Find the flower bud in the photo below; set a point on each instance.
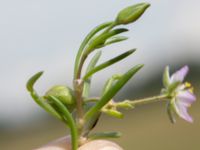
(63, 93)
(131, 13)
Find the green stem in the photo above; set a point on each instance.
(83, 58)
(70, 121)
(148, 100)
(78, 86)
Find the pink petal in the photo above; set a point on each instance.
(182, 112)
(179, 75)
(186, 97)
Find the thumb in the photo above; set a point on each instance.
(64, 144)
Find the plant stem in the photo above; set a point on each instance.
(78, 82)
(78, 86)
(148, 100)
(83, 58)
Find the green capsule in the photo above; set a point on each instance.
(63, 93)
(131, 13)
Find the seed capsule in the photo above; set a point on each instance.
(64, 94)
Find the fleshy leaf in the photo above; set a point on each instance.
(32, 81)
(39, 100)
(101, 39)
(103, 135)
(108, 63)
(113, 113)
(85, 42)
(110, 82)
(91, 65)
(112, 91)
(115, 40)
(69, 119)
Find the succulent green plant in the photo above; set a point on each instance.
(77, 109)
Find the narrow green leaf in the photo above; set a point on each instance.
(94, 61)
(32, 81)
(108, 63)
(85, 42)
(112, 92)
(39, 100)
(91, 65)
(101, 39)
(70, 121)
(103, 135)
(110, 82)
(46, 106)
(90, 124)
(115, 40)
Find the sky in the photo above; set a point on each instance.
(45, 35)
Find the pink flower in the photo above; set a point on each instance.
(181, 94)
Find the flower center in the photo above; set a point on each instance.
(189, 87)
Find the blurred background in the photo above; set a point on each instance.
(45, 35)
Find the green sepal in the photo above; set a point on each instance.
(171, 88)
(91, 65)
(104, 135)
(170, 112)
(108, 63)
(112, 91)
(124, 104)
(32, 80)
(166, 77)
(131, 14)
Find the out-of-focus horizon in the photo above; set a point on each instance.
(45, 35)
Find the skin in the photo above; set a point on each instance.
(64, 144)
